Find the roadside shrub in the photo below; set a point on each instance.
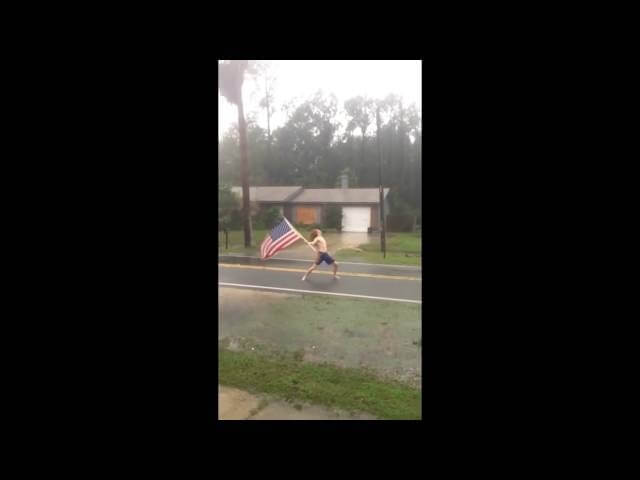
(401, 223)
(400, 207)
(228, 208)
(267, 218)
(333, 217)
(272, 216)
(236, 220)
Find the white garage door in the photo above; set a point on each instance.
(356, 219)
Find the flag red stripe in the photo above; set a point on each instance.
(264, 252)
(286, 244)
(265, 245)
(282, 242)
(289, 243)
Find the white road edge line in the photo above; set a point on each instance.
(318, 293)
(347, 263)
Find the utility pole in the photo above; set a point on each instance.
(383, 245)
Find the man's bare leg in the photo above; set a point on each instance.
(311, 269)
(335, 269)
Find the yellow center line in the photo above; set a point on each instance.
(340, 273)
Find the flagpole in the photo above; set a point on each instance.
(292, 228)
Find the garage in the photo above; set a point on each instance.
(356, 219)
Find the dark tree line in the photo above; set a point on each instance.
(308, 150)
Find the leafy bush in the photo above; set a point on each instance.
(400, 207)
(267, 218)
(229, 208)
(333, 217)
(235, 220)
(401, 223)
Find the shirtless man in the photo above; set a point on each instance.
(323, 254)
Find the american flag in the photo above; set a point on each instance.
(277, 239)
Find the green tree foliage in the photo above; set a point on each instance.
(307, 151)
(229, 156)
(304, 144)
(333, 217)
(362, 111)
(267, 218)
(228, 208)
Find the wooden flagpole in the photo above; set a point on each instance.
(292, 228)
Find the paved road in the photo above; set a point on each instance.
(400, 270)
(380, 281)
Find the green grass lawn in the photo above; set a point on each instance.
(346, 388)
(401, 249)
(391, 258)
(405, 242)
(236, 242)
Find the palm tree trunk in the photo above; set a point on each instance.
(244, 173)
(401, 135)
(381, 190)
(266, 92)
(362, 165)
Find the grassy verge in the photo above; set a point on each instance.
(397, 243)
(345, 388)
(236, 241)
(401, 249)
(392, 258)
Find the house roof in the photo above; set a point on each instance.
(268, 194)
(312, 195)
(339, 195)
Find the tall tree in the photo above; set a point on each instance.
(305, 143)
(265, 81)
(229, 155)
(414, 128)
(267, 104)
(362, 111)
(307, 152)
(401, 136)
(231, 76)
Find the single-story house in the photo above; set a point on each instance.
(360, 206)
(270, 196)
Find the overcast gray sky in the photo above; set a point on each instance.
(300, 79)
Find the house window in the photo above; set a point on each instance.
(307, 215)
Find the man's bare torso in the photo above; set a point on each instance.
(320, 243)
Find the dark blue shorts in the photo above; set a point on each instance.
(324, 257)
